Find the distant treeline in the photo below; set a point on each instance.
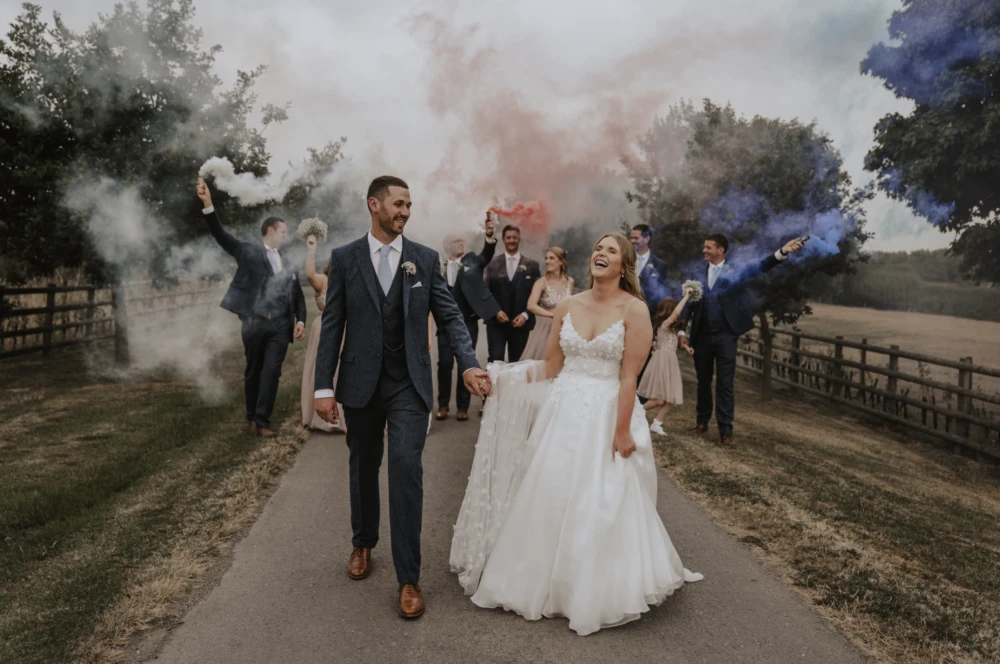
(923, 281)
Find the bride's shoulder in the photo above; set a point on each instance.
(636, 313)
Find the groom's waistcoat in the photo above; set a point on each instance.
(714, 315)
(393, 329)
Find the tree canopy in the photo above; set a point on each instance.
(943, 158)
(760, 181)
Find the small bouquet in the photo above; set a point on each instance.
(696, 289)
(312, 226)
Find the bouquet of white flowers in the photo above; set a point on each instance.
(312, 226)
(696, 290)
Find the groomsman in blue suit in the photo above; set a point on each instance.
(718, 320)
(652, 270)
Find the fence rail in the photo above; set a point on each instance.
(90, 313)
(965, 413)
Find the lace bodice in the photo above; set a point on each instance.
(601, 357)
(666, 339)
(321, 301)
(550, 298)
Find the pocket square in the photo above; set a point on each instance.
(416, 285)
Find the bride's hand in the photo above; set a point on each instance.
(623, 445)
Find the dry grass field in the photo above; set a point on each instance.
(894, 540)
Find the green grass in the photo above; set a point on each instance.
(98, 478)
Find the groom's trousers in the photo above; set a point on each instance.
(397, 404)
(265, 343)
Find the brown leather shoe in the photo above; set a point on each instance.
(728, 441)
(700, 430)
(266, 433)
(442, 414)
(411, 601)
(360, 564)
(462, 415)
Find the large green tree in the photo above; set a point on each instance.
(943, 158)
(760, 181)
(133, 100)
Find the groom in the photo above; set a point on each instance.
(380, 291)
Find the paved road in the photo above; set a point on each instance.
(287, 599)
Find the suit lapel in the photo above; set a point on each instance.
(406, 282)
(367, 270)
(267, 261)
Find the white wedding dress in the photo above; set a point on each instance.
(552, 524)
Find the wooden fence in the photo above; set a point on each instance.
(40, 319)
(956, 401)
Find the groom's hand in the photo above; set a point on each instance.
(326, 408)
(300, 331)
(477, 382)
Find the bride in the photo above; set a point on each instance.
(559, 517)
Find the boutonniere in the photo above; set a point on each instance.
(522, 268)
(409, 268)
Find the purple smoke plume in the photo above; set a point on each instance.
(922, 202)
(939, 40)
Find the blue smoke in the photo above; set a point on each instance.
(922, 202)
(938, 41)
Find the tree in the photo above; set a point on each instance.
(761, 182)
(943, 158)
(132, 100)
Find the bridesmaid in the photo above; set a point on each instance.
(309, 417)
(545, 295)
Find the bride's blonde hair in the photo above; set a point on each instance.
(629, 281)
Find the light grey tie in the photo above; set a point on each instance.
(384, 271)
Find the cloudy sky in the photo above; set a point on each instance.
(463, 97)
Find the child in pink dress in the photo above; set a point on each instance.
(661, 381)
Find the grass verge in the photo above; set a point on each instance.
(116, 495)
(895, 541)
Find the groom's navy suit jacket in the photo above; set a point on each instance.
(353, 314)
(735, 301)
(254, 284)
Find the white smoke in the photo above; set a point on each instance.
(247, 188)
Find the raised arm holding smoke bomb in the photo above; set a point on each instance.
(718, 319)
(266, 295)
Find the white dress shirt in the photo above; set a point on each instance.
(274, 258)
(512, 262)
(452, 271)
(375, 248)
(640, 262)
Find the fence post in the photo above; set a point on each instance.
(88, 331)
(794, 359)
(964, 402)
(838, 356)
(765, 357)
(861, 373)
(3, 293)
(891, 383)
(121, 324)
(50, 304)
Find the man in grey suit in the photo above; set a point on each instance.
(380, 292)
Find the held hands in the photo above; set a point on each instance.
(326, 408)
(300, 331)
(476, 382)
(204, 195)
(793, 246)
(623, 445)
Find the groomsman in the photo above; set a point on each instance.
(266, 295)
(652, 270)
(464, 274)
(718, 319)
(509, 278)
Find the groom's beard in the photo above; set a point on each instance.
(391, 226)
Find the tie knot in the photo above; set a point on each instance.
(386, 248)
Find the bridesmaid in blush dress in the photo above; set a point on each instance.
(545, 295)
(309, 417)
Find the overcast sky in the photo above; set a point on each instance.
(453, 95)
